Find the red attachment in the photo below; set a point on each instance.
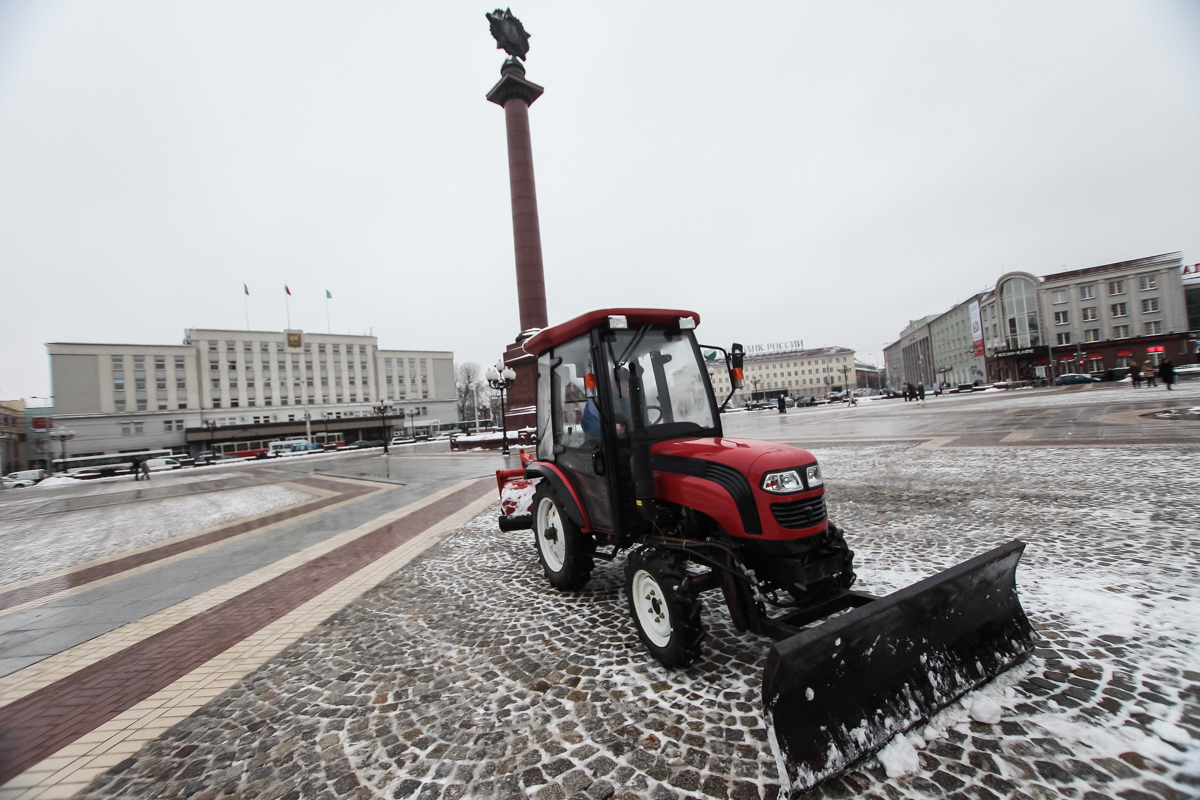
(503, 476)
(552, 337)
(739, 379)
(525, 458)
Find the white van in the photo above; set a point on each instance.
(23, 479)
(161, 464)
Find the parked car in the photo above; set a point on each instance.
(1074, 377)
(399, 440)
(162, 464)
(361, 443)
(23, 479)
(806, 400)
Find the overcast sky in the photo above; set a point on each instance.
(816, 171)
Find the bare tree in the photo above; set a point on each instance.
(467, 379)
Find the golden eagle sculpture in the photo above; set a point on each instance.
(509, 33)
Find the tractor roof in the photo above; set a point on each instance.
(552, 337)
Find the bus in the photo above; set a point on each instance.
(106, 465)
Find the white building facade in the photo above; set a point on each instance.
(237, 387)
(788, 373)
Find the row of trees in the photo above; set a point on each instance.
(476, 399)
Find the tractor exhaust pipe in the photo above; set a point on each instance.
(837, 692)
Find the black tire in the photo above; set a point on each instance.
(564, 551)
(838, 540)
(667, 618)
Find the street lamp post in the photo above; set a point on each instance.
(502, 380)
(383, 411)
(211, 424)
(412, 415)
(63, 436)
(308, 426)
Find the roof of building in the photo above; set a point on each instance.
(779, 355)
(1164, 260)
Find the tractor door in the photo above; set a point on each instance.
(575, 428)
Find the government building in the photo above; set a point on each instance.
(792, 372)
(229, 391)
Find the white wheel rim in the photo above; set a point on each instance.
(554, 551)
(650, 604)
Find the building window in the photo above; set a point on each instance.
(138, 429)
(1088, 314)
(118, 371)
(1116, 287)
(1064, 338)
(1119, 310)
(139, 373)
(1120, 331)
(1019, 300)
(126, 429)
(1087, 292)
(1095, 364)
(1147, 282)
(1153, 328)
(1062, 317)
(1058, 296)
(1150, 305)
(1091, 335)
(167, 425)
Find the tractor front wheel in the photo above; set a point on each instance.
(564, 550)
(666, 615)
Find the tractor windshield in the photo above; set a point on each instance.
(676, 398)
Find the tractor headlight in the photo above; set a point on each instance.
(782, 482)
(814, 477)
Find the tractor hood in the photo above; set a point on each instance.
(750, 457)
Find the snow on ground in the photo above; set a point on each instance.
(51, 542)
(1111, 536)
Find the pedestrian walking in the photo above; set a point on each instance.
(1166, 371)
(146, 469)
(137, 469)
(1135, 375)
(1148, 374)
(921, 392)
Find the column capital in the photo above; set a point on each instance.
(513, 84)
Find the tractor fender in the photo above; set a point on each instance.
(700, 494)
(562, 485)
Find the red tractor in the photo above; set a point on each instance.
(630, 456)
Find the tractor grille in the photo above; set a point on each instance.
(803, 514)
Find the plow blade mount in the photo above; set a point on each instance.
(839, 691)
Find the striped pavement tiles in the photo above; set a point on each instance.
(78, 713)
(329, 494)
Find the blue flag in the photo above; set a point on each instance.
(328, 296)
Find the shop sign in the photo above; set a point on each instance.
(1124, 353)
(1025, 351)
(1191, 274)
(976, 329)
(775, 347)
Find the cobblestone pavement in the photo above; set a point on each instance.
(466, 675)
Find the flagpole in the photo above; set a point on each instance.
(328, 329)
(246, 303)
(287, 303)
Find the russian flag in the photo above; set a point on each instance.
(286, 289)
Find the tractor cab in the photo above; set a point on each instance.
(608, 381)
(631, 461)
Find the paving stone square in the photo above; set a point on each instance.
(466, 675)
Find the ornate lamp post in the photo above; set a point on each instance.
(412, 416)
(211, 424)
(383, 411)
(502, 380)
(63, 435)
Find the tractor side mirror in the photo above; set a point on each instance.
(737, 357)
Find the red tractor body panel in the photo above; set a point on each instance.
(552, 337)
(682, 475)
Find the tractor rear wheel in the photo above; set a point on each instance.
(667, 616)
(564, 550)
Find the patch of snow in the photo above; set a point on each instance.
(1171, 733)
(899, 757)
(57, 480)
(985, 709)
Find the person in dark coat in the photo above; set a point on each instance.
(921, 392)
(137, 469)
(1135, 375)
(1166, 372)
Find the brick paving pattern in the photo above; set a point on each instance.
(466, 675)
(41, 723)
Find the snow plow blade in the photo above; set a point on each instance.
(837, 692)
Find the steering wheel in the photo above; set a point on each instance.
(660, 415)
